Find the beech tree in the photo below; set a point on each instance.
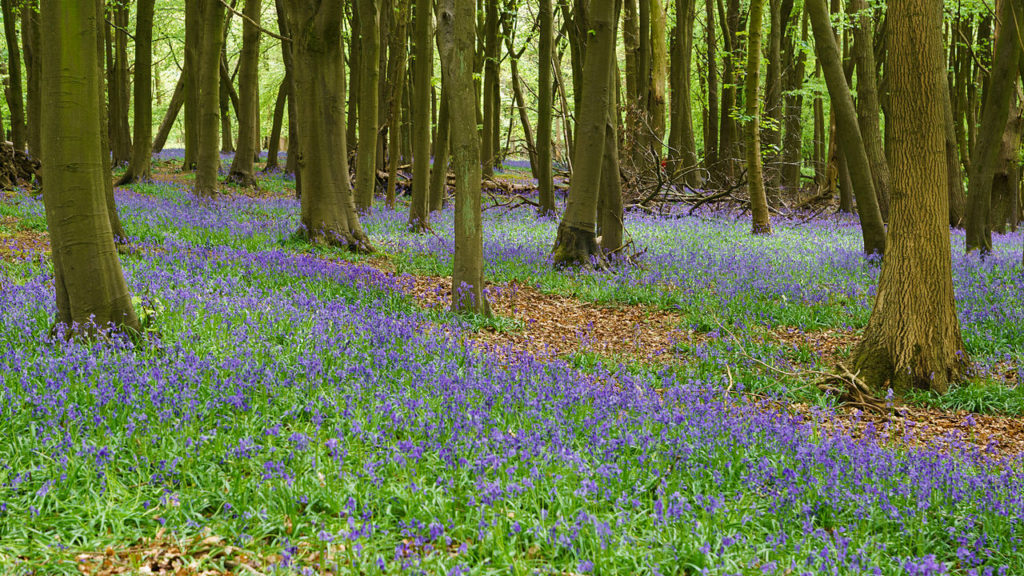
(457, 36)
(318, 85)
(755, 177)
(14, 92)
(243, 170)
(419, 208)
(913, 339)
(142, 153)
(89, 282)
(369, 43)
(208, 76)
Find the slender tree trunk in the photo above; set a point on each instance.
(224, 98)
(847, 128)
(90, 286)
(868, 110)
(755, 179)
(773, 99)
(1006, 178)
(173, 108)
(243, 170)
(274, 144)
(954, 176)
(576, 242)
(117, 84)
(142, 152)
(366, 171)
(396, 71)
(208, 157)
(659, 73)
(545, 180)
(490, 40)
(711, 65)
(318, 86)
(792, 146)
(423, 71)
(517, 90)
(32, 48)
(993, 124)
(610, 205)
(682, 116)
(457, 31)
(727, 148)
(439, 171)
(913, 337)
(190, 72)
(355, 70)
(15, 92)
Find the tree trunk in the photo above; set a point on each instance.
(727, 148)
(491, 112)
(847, 128)
(792, 145)
(545, 180)
(318, 86)
(985, 157)
(142, 152)
(423, 71)
(32, 49)
(190, 72)
(457, 34)
(173, 108)
(274, 144)
(755, 179)
(913, 337)
(576, 242)
(117, 84)
(685, 154)
(773, 98)
(610, 205)
(524, 118)
(954, 175)
(439, 171)
(90, 286)
(224, 98)
(659, 73)
(15, 92)
(208, 157)
(355, 70)
(868, 111)
(1006, 180)
(396, 85)
(369, 43)
(243, 170)
(711, 73)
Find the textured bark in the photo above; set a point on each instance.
(366, 171)
(545, 180)
(610, 206)
(792, 145)
(954, 175)
(913, 337)
(423, 71)
(208, 72)
(685, 152)
(243, 170)
(634, 109)
(318, 87)
(15, 91)
(577, 242)
(90, 286)
(773, 99)
(457, 34)
(659, 74)
(439, 170)
(868, 110)
(142, 153)
(224, 98)
(755, 179)
(1006, 179)
(985, 157)
(274, 143)
(397, 52)
(31, 50)
(847, 128)
(727, 148)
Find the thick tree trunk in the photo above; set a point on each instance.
(15, 92)
(576, 243)
(755, 179)
(457, 33)
(318, 86)
(366, 160)
(208, 157)
(985, 157)
(243, 170)
(913, 337)
(545, 180)
(1006, 179)
(868, 111)
(847, 128)
(90, 286)
(142, 153)
(423, 71)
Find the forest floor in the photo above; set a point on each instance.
(708, 319)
